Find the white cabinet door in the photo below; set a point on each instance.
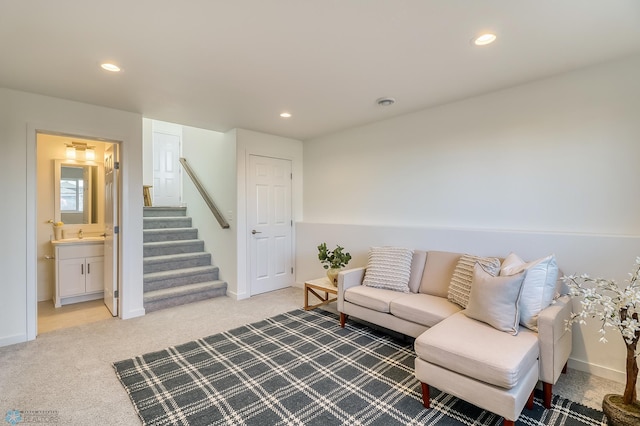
(94, 274)
(71, 277)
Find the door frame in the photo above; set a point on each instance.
(31, 218)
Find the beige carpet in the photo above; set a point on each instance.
(69, 370)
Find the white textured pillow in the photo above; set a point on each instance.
(460, 285)
(494, 300)
(389, 268)
(539, 285)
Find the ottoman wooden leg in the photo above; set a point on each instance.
(546, 390)
(425, 395)
(530, 402)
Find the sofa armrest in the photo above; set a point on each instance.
(346, 279)
(555, 339)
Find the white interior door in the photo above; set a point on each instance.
(270, 224)
(166, 170)
(111, 173)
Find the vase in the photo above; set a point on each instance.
(57, 232)
(618, 413)
(332, 274)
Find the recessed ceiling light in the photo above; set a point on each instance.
(484, 39)
(385, 101)
(285, 115)
(110, 67)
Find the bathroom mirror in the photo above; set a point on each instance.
(78, 192)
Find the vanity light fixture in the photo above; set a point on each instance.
(484, 39)
(74, 147)
(70, 152)
(285, 115)
(110, 67)
(90, 154)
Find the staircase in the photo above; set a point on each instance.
(177, 270)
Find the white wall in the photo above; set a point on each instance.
(213, 159)
(254, 143)
(558, 155)
(21, 114)
(147, 152)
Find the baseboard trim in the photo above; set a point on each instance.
(12, 340)
(598, 370)
(133, 313)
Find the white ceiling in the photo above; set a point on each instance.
(239, 63)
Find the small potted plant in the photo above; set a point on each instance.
(333, 261)
(614, 307)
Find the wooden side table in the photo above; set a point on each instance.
(316, 287)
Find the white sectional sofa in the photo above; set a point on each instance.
(459, 351)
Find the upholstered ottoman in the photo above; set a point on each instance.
(475, 362)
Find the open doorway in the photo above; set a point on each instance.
(77, 230)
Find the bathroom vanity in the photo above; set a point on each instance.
(79, 270)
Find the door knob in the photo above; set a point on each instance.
(254, 232)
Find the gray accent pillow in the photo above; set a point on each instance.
(389, 268)
(494, 300)
(460, 285)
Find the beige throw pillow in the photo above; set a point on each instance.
(539, 287)
(460, 285)
(494, 300)
(389, 268)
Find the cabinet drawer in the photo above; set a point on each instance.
(80, 250)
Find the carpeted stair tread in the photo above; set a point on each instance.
(166, 230)
(167, 293)
(159, 248)
(166, 222)
(176, 261)
(170, 243)
(176, 296)
(169, 234)
(170, 257)
(180, 272)
(164, 211)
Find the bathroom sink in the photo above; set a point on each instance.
(78, 240)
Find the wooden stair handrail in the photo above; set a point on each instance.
(203, 192)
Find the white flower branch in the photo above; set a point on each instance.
(612, 305)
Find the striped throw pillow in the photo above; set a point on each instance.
(389, 268)
(460, 285)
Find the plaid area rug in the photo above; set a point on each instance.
(301, 368)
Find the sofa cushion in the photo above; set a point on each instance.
(460, 286)
(417, 269)
(437, 274)
(423, 309)
(539, 287)
(389, 268)
(479, 351)
(495, 300)
(376, 299)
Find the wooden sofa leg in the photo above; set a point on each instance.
(425, 395)
(508, 422)
(343, 319)
(546, 390)
(530, 401)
